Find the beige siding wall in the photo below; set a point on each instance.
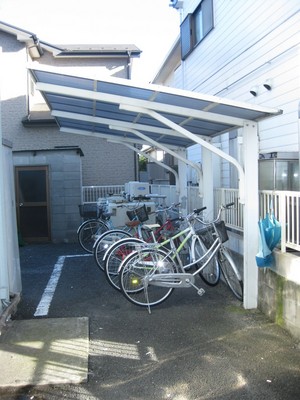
(103, 163)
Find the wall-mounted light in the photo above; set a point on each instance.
(254, 90)
(268, 84)
(176, 4)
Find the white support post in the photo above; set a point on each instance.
(251, 214)
(182, 172)
(208, 183)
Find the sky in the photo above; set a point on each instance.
(151, 25)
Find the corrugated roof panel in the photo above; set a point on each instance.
(98, 107)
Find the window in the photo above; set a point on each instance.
(195, 27)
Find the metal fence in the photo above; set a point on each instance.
(90, 194)
(286, 206)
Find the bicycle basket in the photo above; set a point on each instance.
(89, 210)
(138, 213)
(207, 237)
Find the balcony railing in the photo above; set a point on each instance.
(286, 206)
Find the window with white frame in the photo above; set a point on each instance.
(195, 27)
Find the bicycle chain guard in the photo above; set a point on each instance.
(177, 280)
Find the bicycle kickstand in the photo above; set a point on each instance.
(200, 291)
(147, 297)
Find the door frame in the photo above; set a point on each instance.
(46, 203)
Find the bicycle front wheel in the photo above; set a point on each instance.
(231, 273)
(115, 255)
(89, 231)
(136, 273)
(104, 242)
(210, 274)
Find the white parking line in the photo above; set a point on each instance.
(45, 302)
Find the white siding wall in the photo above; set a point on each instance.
(252, 41)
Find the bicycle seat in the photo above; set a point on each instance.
(106, 216)
(132, 224)
(150, 227)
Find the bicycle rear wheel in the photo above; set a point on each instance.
(135, 277)
(115, 255)
(89, 231)
(104, 242)
(210, 274)
(231, 273)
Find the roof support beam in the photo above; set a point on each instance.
(167, 150)
(196, 139)
(107, 121)
(109, 137)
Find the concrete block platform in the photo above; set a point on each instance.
(44, 351)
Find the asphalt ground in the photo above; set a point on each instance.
(189, 348)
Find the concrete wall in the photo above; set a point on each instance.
(64, 186)
(279, 292)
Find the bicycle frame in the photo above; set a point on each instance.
(181, 279)
(151, 266)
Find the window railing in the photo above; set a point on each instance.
(285, 204)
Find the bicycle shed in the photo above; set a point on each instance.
(171, 119)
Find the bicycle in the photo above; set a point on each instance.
(178, 244)
(90, 230)
(141, 232)
(148, 276)
(118, 251)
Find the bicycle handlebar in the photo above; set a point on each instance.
(199, 210)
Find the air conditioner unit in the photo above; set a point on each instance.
(137, 189)
(176, 4)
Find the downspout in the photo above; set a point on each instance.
(128, 65)
(4, 278)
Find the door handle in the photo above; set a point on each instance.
(21, 204)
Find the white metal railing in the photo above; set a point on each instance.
(285, 204)
(90, 194)
(234, 216)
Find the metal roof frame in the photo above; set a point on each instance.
(118, 109)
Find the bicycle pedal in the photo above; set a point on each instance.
(201, 292)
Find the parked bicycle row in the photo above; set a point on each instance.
(146, 262)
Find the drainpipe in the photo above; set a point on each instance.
(129, 65)
(4, 279)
